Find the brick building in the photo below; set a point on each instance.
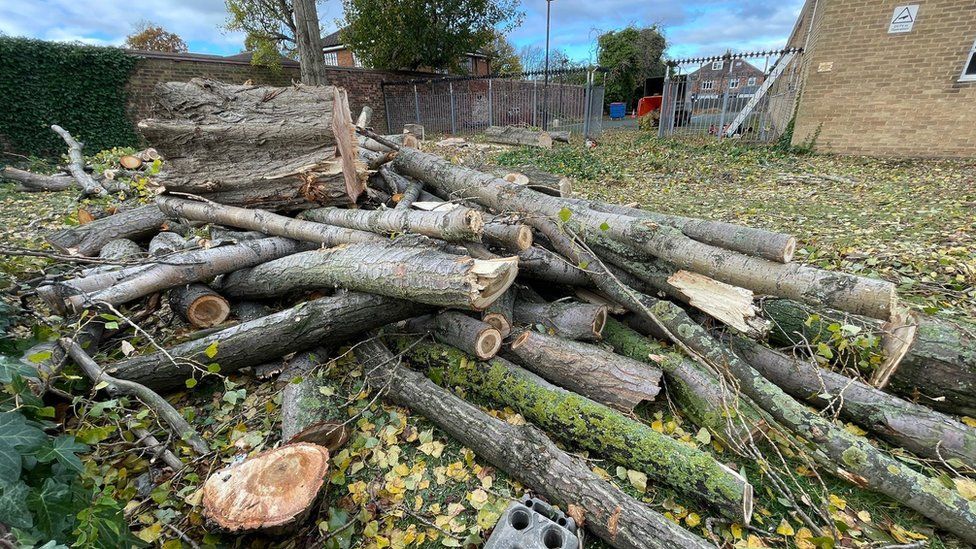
(738, 75)
(887, 77)
(338, 54)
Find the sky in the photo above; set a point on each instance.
(693, 28)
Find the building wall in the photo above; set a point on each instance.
(869, 92)
(742, 70)
(363, 86)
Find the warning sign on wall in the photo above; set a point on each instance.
(903, 19)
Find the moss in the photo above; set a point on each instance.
(854, 457)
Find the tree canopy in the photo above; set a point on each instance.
(391, 34)
(504, 60)
(149, 37)
(631, 55)
(280, 27)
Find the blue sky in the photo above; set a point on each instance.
(700, 27)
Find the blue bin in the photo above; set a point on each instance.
(618, 110)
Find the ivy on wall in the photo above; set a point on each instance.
(81, 88)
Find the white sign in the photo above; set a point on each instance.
(903, 19)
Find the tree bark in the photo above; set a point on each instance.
(35, 182)
(538, 262)
(326, 321)
(402, 139)
(501, 313)
(514, 135)
(847, 292)
(536, 179)
(418, 273)
(562, 136)
(88, 239)
(304, 414)
(409, 196)
(120, 249)
(613, 380)
(477, 338)
(903, 424)
(934, 361)
(199, 305)
(580, 421)
(186, 268)
(308, 39)
(166, 243)
(528, 455)
(581, 321)
(456, 224)
(76, 164)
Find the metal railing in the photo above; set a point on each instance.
(743, 96)
(462, 105)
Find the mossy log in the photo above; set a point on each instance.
(913, 427)
(457, 224)
(931, 361)
(616, 381)
(580, 421)
(199, 305)
(526, 454)
(701, 395)
(582, 321)
(839, 290)
(416, 272)
(479, 339)
(88, 239)
(325, 321)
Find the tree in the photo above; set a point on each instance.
(631, 55)
(532, 58)
(281, 27)
(501, 53)
(149, 37)
(389, 34)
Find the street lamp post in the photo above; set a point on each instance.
(545, 86)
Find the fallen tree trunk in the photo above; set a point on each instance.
(88, 239)
(186, 268)
(910, 426)
(35, 182)
(418, 273)
(514, 135)
(199, 305)
(457, 224)
(580, 421)
(76, 164)
(562, 136)
(613, 380)
(847, 292)
(582, 321)
(929, 360)
(477, 338)
(263, 221)
(325, 321)
(527, 454)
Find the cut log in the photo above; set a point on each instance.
(76, 164)
(149, 154)
(932, 362)
(88, 239)
(580, 421)
(535, 178)
(304, 413)
(903, 424)
(416, 130)
(540, 263)
(130, 162)
(581, 321)
(120, 249)
(324, 321)
(528, 455)
(607, 378)
(185, 268)
(35, 182)
(514, 135)
(501, 313)
(839, 290)
(402, 139)
(507, 232)
(561, 136)
(701, 395)
(418, 273)
(280, 148)
(365, 115)
(409, 196)
(457, 224)
(263, 221)
(478, 339)
(272, 490)
(374, 160)
(199, 305)
(166, 243)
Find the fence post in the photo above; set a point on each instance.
(535, 103)
(665, 97)
(416, 104)
(491, 106)
(450, 88)
(588, 98)
(725, 99)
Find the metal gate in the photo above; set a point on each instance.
(572, 101)
(737, 95)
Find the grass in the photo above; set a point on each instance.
(402, 482)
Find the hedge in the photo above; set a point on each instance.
(81, 88)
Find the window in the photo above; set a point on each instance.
(969, 71)
(717, 65)
(733, 83)
(708, 84)
(752, 81)
(355, 60)
(332, 59)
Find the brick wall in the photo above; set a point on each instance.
(362, 85)
(888, 94)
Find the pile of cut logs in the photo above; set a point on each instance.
(282, 228)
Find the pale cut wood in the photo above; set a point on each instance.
(365, 115)
(457, 224)
(724, 302)
(130, 162)
(199, 305)
(275, 488)
(514, 135)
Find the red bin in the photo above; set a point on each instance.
(648, 104)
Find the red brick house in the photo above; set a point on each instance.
(338, 54)
(712, 79)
